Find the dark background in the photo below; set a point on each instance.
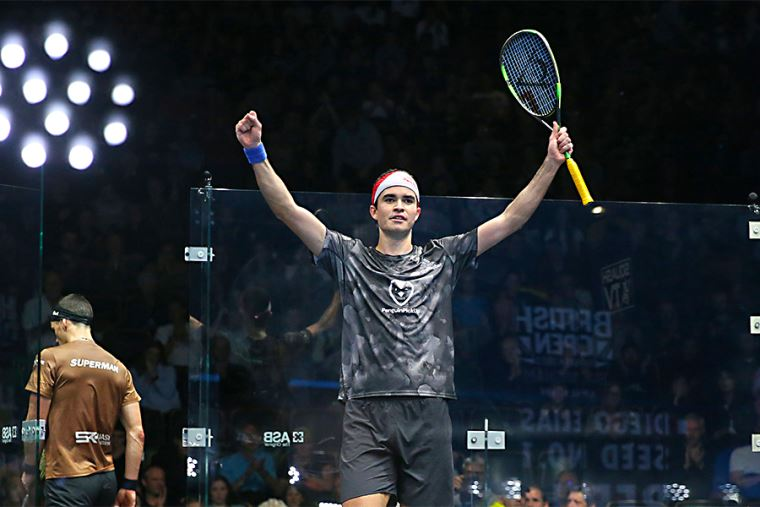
(658, 96)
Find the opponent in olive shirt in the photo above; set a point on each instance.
(88, 387)
(397, 337)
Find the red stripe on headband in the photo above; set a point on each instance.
(378, 183)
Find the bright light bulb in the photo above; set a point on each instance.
(79, 92)
(115, 133)
(35, 90)
(57, 122)
(5, 126)
(12, 55)
(122, 94)
(56, 45)
(80, 157)
(99, 60)
(33, 154)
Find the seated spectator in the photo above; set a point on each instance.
(172, 459)
(234, 380)
(157, 384)
(630, 371)
(219, 493)
(580, 496)
(321, 485)
(473, 471)
(693, 462)
(533, 496)
(174, 335)
(745, 472)
(727, 409)
(294, 497)
(251, 471)
(609, 418)
(681, 400)
(272, 502)
(566, 482)
(154, 491)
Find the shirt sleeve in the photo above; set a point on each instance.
(130, 393)
(462, 250)
(736, 461)
(46, 375)
(334, 251)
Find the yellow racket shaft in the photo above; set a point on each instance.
(580, 184)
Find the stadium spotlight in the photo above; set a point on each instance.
(33, 151)
(12, 54)
(56, 42)
(115, 132)
(5, 124)
(79, 92)
(35, 87)
(57, 120)
(123, 94)
(81, 153)
(49, 115)
(99, 57)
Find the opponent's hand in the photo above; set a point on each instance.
(297, 337)
(559, 143)
(248, 130)
(125, 498)
(27, 480)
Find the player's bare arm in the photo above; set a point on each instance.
(299, 220)
(524, 205)
(132, 422)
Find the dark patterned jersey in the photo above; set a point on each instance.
(397, 337)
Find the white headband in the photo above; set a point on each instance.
(395, 179)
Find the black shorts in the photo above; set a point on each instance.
(400, 446)
(91, 490)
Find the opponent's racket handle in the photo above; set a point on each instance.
(580, 185)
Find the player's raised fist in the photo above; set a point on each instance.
(248, 130)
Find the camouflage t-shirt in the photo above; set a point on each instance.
(397, 337)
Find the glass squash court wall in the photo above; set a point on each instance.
(603, 346)
(23, 328)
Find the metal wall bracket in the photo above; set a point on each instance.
(199, 254)
(754, 230)
(196, 437)
(754, 324)
(476, 440)
(486, 440)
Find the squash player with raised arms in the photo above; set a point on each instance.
(397, 371)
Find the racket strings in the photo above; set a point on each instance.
(531, 72)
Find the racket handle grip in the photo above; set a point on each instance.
(580, 184)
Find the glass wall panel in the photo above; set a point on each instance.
(23, 326)
(613, 350)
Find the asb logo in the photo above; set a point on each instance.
(401, 291)
(282, 438)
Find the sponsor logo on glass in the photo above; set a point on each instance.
(10, 433)
(282, 438)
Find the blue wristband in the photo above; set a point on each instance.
(129, 484)
(256, 154)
